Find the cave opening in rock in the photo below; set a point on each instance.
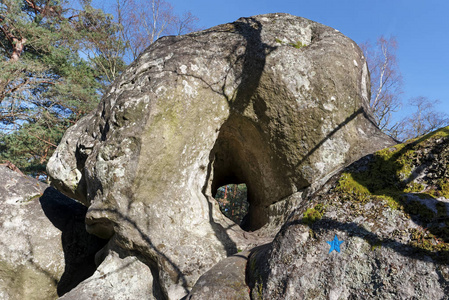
(240, 155)
(233, 201)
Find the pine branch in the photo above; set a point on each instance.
(42, 140)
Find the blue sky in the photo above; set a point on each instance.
(421, 28)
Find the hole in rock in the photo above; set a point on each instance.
(243, 153)
(233, 201)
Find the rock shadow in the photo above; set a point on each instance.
(78, 245)
(154, 258)
(252, 62)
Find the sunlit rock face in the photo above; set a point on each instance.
(390, 212)
(275, 101)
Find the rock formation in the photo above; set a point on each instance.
(119, 276)
(275, 101)
(44, 248)
(391, 211)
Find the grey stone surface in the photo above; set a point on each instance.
(276, 101)
(226, 280)
(44, 247)
(118, 277)
(396, 241)
(31, 256)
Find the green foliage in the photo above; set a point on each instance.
(55, 64)
(232, 199)
(57, 61)
(31, 145)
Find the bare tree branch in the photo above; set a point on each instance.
(386, 80)
(145, 21)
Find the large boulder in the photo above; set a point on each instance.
(390, 210)
(44, 248)
(275, 101)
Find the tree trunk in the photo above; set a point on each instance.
(18, 48)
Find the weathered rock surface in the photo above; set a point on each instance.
(31, 256)
(226, 280)
(118, 277)
(79, 247)
(391, 211)
(276, 101)
(44, 248)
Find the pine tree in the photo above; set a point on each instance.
(55, 63)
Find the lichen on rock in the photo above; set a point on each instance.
(229, 104)
(395, 240)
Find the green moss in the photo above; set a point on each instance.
(376, 245)
(429, 244)
(312, 234)
(414, 187)
(279, 41)
(352, 188)
(393, 200)
(441, 230)
(297, 45)
(33, 198)
(444, 186)
(395, 165)
(259, 289)
(387, 176)
(442, 189)
(313, 214)
(441, 210)
(440, 133)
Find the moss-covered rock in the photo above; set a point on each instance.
(411, 177)
(390, 210)
(313, 214)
